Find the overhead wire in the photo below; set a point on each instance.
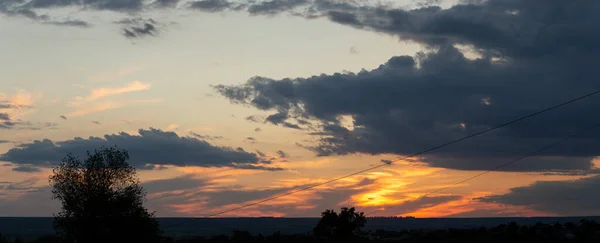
(533, 153)
(403, 158)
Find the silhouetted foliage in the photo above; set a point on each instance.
(345, 225)
(102, 200)
(583, 232)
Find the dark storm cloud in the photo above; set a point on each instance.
(571, 197)
(165, 3)
(151, 146)
(531, 55)
(211, 5)
(44, 18)
(114, 5)
(253, 7)
(275, 6)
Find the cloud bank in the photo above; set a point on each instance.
(573, 197)
(149, 147)
(529, 55)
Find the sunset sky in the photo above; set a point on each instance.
(221, 103)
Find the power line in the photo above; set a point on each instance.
(548, 146)
(405, 157)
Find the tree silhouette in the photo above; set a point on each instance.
(346, 224)
(102, 200)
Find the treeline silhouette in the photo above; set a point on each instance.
(584, 231)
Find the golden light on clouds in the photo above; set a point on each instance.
(99, 93)
(19, 104)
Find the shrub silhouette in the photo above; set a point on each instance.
(102, 200)
(346, 224)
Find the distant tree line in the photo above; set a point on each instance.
(582, 232)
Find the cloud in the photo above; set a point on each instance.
(386, 161)
(99, 93)
(206, 137)
(412, 103)
(33, 203)
(567, 198)
(257, 129)
(114, 5)
(141, 30)
(4, 141)
(254, 118)
(174, 184)
(275, 6)
(26, 169)
(26, 125)
(421, 203)
(18, 101)
(165, 3)
(103, 106)
(30, 14)
(93, 103)
(25, 185)
(15, 107)
(211, 5)
(282, 154)
(96, 122)
(7, 123)
(71, 22)
(63, 117)
(140, 27)
(152, 146)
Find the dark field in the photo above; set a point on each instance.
(29, 228)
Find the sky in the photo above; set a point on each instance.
(221, 103)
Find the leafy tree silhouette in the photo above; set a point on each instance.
(102, 200)
(347, 224)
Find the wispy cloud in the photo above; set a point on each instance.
(14, 107)
(108, 105)
(91, 104)
(111, 91)
(96, 108)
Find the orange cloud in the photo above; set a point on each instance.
(96, 94)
